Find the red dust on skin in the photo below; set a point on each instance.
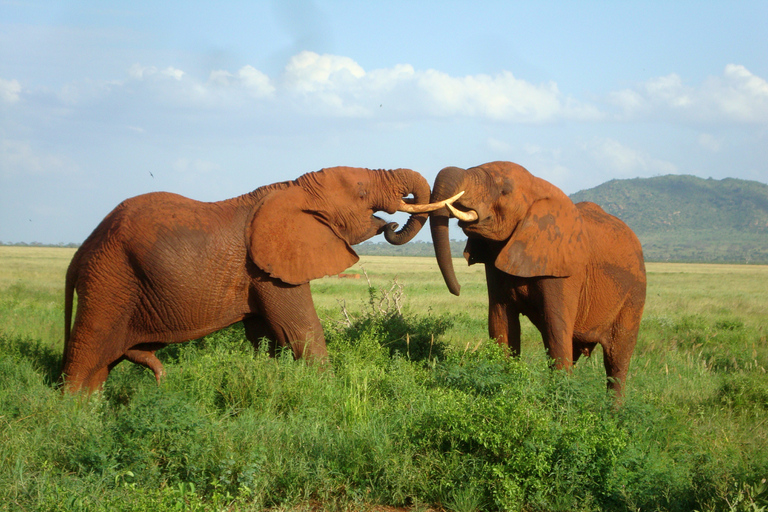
(162, 268)
(577, 272)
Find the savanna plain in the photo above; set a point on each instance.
(418, 410)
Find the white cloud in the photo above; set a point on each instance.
(137, 71)
(256, 83)
(309, 72)
(328, 85)
(739, 94)
(501, 97)
(341, 86)
(735, 96)
(174, 73)
(140, 72)
(337, 86)
(9, 90)
(620, 160)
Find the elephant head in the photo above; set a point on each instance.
(523, 225)
(305, 229)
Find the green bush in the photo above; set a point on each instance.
(397, 418)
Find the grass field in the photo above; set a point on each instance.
(419, 410)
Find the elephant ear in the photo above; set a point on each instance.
(293, 244)
(549, 241)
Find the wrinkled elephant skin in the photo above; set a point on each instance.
(574, 270)
(161, 268)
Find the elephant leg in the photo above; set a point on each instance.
(617, 351)
(503, 318)
(99, 336)
(504, 326)
(88, 359)
(556, 322)
(82, 376)
(256, 330)
(146, 358)
(289, 313)
(560, 350)
(96, 380)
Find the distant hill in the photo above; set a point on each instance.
(685, 218)
(676, 217)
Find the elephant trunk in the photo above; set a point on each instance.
(448, 183)
(412, 183)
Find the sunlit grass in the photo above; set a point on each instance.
(417, 409)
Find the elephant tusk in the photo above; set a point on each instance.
(469, 216)
(431, 207)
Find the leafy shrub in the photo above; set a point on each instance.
(415, 337)
(396, 419)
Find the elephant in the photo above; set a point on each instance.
(162, 268)
(574, 270)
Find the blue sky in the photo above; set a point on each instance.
(100, 101)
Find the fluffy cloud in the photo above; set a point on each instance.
(250, 79)
(623, 161)
(739, 94)
(735, 96)
(309, 72)
(337, 86)
(340, 84)
(140, 72)
(502, 97)
(9, 90)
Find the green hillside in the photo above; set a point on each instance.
(685, 218)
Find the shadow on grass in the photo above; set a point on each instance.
(44, 359)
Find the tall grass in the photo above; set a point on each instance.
(417, 410)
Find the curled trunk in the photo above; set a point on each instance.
(413, 183)
(447, 184)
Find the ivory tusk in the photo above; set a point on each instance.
(469, 216)
(424, 208)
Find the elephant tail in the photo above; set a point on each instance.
(69, 293)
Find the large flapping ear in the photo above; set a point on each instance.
(293, 244)
(548, 241)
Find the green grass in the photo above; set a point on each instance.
(418, 409)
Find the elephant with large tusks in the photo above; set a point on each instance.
(162, 268)
(574, 270)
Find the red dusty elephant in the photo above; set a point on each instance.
(574, 270)
(161, 268)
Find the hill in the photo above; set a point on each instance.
(685, 218)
